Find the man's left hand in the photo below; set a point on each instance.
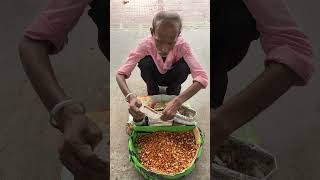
(171, 109)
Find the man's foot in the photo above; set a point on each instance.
(129, 128)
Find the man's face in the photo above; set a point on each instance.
(165, 35)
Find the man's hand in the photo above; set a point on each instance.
(81, 135)
(171, 109)
(134, 104)
(218, 131)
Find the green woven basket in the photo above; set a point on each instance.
(133, 151)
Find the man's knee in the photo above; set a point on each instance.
(146, 63)
(182, 67)
(220, 83)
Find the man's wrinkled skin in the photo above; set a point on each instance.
(171, 109)
(134, 104)
(270, 85)
(80, 134)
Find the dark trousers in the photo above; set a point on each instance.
(172, 79)
(98, 12)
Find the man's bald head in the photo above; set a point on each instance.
(167, 17)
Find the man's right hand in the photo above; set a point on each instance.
(134, 105)
(218, 131)
(81, 135)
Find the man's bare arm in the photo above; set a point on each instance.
(34, 57)
(193, 89)
(261, 93)
(121, 80)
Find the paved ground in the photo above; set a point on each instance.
(140, 12)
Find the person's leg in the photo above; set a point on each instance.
(219, 88)
(174, 78)
(150, 74)
(98, 13)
